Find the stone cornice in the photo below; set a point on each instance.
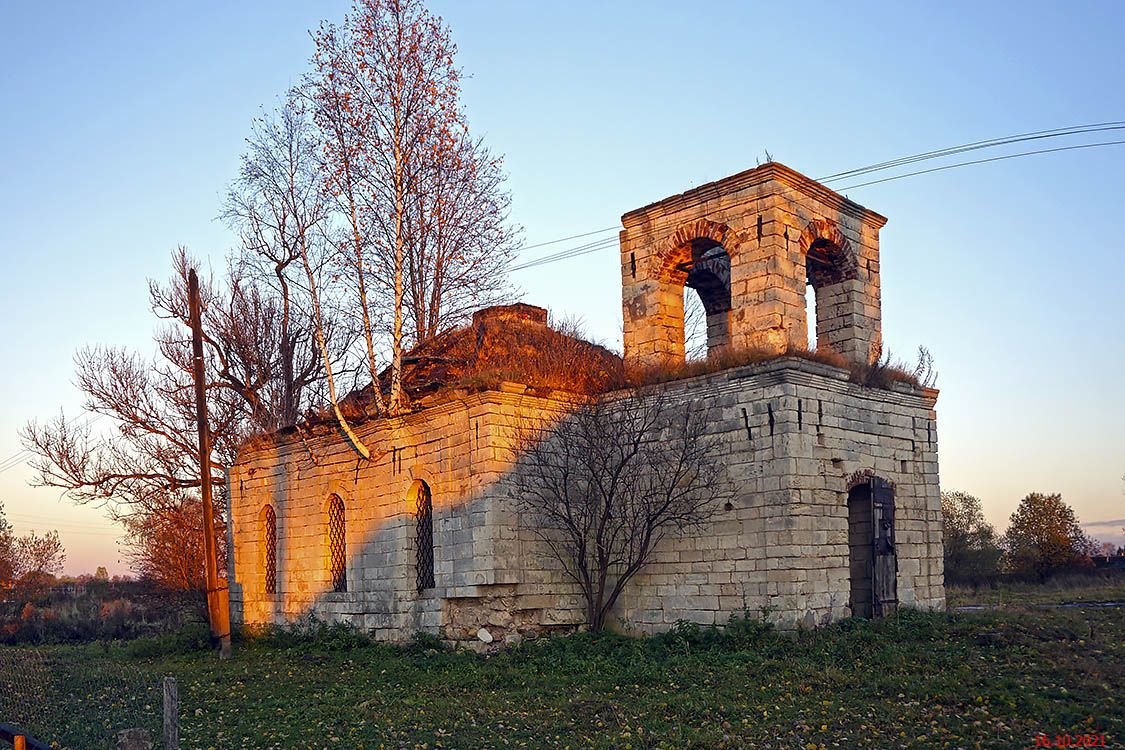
(799, 371)
(326, 432)
(771, 171)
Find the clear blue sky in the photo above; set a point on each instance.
(122, 123)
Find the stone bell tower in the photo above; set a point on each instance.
(750, 245)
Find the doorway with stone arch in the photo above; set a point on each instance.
(872, 558)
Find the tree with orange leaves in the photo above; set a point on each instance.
(1044, 537)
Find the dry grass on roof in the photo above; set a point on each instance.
(545, 358)
(882, 374)
(488, 353)
(495, 350)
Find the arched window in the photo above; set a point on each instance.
(423, 535)
(821, 274)
(829, 261)
(337, 544)
(706, 299)
(269, 549)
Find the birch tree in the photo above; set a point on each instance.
(343, 134)
(460, 240)
(424, 202)
(277, 208)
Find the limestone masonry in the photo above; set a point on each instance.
(837, 510)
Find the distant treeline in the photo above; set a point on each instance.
(92, 609)
(1043, 539)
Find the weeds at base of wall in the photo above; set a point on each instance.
(752, 637)
(306, 633)
(745, 633)
(313, 634)
(741, 632)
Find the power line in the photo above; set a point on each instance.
(22, 456)
(62, 525)
(988, 143)
(983, 161)
(568, 253)
(605, 243)
(71, 532)
(564, 239)
(16, 457)
(15, 460)
(612, 242)
(53, 520)
(62, 529)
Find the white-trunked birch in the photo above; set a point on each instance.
(422, 204)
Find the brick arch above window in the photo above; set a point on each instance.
(865, 477)
(677, 248)
(836, 259)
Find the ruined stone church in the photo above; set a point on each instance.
(837, 510)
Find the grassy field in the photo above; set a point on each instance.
(995, 678)
(1067, 589)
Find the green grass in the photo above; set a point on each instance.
(988, 679)
(1104, 587)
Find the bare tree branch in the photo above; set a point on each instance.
(605, 484)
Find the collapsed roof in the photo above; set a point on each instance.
(502, 343)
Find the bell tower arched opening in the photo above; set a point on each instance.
(755, 292)
(833, 290)
(707, 302)
(823, 269)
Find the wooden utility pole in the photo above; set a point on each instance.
(218, 601)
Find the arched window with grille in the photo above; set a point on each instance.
(337, 545)
(423, 535)
(269, 549)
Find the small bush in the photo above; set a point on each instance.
(192, 638)
(742, 632)
(746, 631)
(686, 637)
(308, 633)
(422, 642)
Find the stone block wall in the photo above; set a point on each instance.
(782, 231)
(795, 436)
(453, 448)
(798, 435)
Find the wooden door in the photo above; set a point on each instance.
(885, 563)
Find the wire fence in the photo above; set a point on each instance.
(77, 705)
